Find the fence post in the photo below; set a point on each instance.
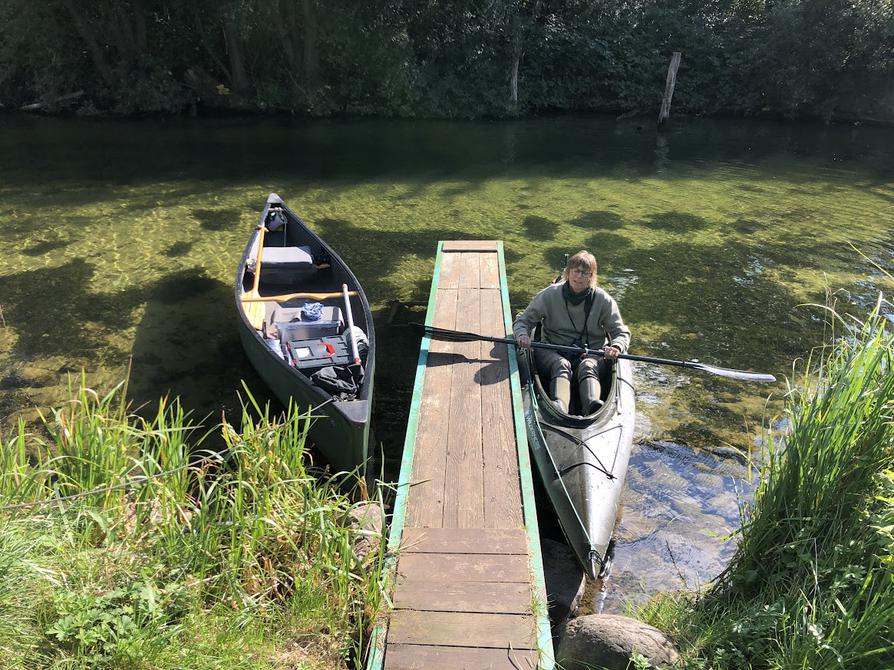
(669, 88)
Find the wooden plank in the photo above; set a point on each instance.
(470, 270)
(464, 501)
(418, 657)
(425, 503)
(490, 271)
(453, 568)
(493, 597)
(463, 541)
(502, 492)
(500, 631)
(449, 274)
(469, 245)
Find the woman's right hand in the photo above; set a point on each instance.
(523, 341)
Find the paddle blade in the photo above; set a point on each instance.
(741, 375)
(445, 335)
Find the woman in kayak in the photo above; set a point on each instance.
(574, 312)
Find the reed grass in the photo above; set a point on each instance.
(811, 584)
(124, 545)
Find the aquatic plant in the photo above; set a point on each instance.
(123, 544)
(811, 584)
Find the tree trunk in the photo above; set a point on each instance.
(238, 73)
(139, 25)
(288, 32)
(94, 49)
(311, 54)
(128, 32)
(202, 31)
(515, 30)
(513, 82)
(669, 84)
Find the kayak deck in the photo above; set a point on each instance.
(468, 588)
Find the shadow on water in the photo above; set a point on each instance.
(232, 150)
(187, 343)
(726, 330)
(598, 220)
(49, 307)
(217, 219)
(539, 228)
(706, 235)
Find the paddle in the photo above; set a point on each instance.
(292, 296)
(256, 312)
(460, 336)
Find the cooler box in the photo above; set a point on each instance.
(328, 325)
(318, 353)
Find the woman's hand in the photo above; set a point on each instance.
(523, 341)
(611, 352)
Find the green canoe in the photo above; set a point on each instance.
(293, 320)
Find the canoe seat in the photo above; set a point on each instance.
(285, 265)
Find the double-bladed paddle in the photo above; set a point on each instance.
(461, 336)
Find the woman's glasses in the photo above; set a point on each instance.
(581, 273)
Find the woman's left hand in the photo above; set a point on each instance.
(610, 352)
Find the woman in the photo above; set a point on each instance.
(574, 312)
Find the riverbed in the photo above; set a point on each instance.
(720, 239)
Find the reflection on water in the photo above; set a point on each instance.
(120, 239)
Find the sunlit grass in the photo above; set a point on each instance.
(811, 584)
(123, 545)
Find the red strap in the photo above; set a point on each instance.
(330, 349)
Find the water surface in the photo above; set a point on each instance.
(120, 242)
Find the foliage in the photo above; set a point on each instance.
(817, 58)
(812, 582)
(115, 626)
(122, 544)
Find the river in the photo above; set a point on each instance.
(120, 241)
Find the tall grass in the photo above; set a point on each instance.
(811, 584)
(123, 545)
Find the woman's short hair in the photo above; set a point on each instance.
(584, 260)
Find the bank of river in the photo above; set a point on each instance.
(120, 240)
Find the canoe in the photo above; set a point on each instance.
(582, 461)
(294, 318)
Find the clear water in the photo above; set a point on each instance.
(120, 241)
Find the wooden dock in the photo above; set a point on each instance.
(468, 588)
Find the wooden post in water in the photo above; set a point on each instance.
(669, 88)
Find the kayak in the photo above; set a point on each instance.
(582, 461)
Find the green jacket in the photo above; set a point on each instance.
(564, 322)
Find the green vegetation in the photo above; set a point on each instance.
(816, 58)
(811, 584)
(121, 548)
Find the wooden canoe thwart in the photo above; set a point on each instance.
(295, 298)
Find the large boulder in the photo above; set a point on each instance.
(564, 578)
(609, 641)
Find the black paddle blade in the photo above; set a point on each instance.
(453, 335)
